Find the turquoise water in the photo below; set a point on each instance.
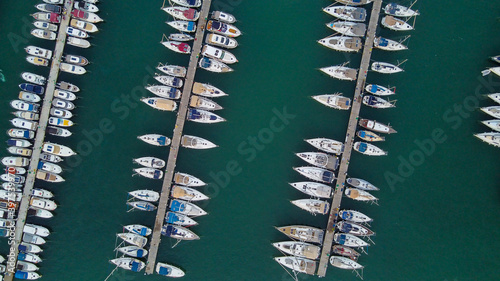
(439, 221)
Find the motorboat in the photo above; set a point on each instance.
(29, 248)
(368, 149)
(86, 6)
(133, 251)
(223, 28)
(49, 167)
(178, 232)
(48, 177)
(303, 233)
(187, 193)
(155, 139)
(60, 132)
(160, 103)
(167, 269)
(76, 60)
(348, 28)
(36, 230)
(361, 184)
(42, 193)
(327, 145)
(131, 264)
(34, 78)
(150, 173)
(19, 133)
(44, 16)
(298, 249)
(178, 47)
(342, 43)
(203, 103)
(76, 32)
(15, 161)
(492, 138)
(214, 65)
(218, 54)
(86, 16)
(397, 10)
(29, 97)
(45, 25)
(182, 13)
(133, 239)
(340, 72)
(77, 42)
(187, 180)
(493, 111)
(376, 126)
(27, 115)
(188, 3)
(65, 95)
(145, 195)
(378, 90)
(186, 208)
(43, 34)
(320, 159)
(138, 229)
(37, 61)
(83, 25)
(386, 68)
(35, 89)
(346, 252)
(355, 2)
(142, 205)
(207, 90)
(314, 206)
(173, 70)
(196, 142)
(377, 102)
(395, 24)
(369, 136)
(33, 239)
(493, 124)
(182, 37)
(71, 68)
(354, 229)
(5, 223)
(151, 162)
(344, 263)
(182, 25)
(346, 13)
(221, 41)
(179, 219)
(223, 17)
(359, 195)
(388, 44)
(169, 80)
(298, 264)
(16, 179)
(354, 216)
(57, 149)
(164, 91)
(18, 143)
(336, 101)
(203, 116)
(495, 97)
(27, 275)
(314, 189)
(41, 213)
(349, 240)
(29, 257)
(49, 8)
(50, 157)
(21, 151)
(24, 106)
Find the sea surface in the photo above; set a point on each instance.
(439, 204)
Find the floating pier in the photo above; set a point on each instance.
(349, 140)
(40, 135)
(176, 138)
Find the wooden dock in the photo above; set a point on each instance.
(349, 140)
(40, 132)
(176, 138)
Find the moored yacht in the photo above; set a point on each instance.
(87, 6)
(386, 68)
(320, 159)
(34, 78)
(182, 13)
(342, 43)
(83, 25)
(151, 162)
(57, 149)
(378, 90)
(65, 95)
(314, 189)
(51, 168)
(133, 251)
(354, 229)
(303, 233)
(344, 263)
(50, 17)
(340, 72)
(27, 115)
(349, 240)
(368, 149)
(388, 44)
(376, 126)
(187, 193)
(492, 138)
(178, 232)
(138, 229)
(168, 80)
(86, 16)
(164, 91)
(196, 142)
(346, 13)
(203, 116)
(493, 111)
(174, 70)
(183, 26)
(397, 10)
(146, 195)
(167, 269)
(24, 106)
(77, 60)
(221, 41)
(182, 37)
(336, 101)
(346, 252)
(155, 139)
(15, 161)
(495, 97)
(317, 174)
(44, 34)
(493, 124)
(178, 47)
(78, 42)
(396, 24)
(131, 264)
(188, 3)
(298, 249)
(187, 180)
(207, 90)
(327, 145)
(45, 25)
(214, 65)
(160, 103)
(203, 103)
(298, 264)
(142, 205)
(359, 195)
(361, 184)
(133, 239)
(348, 28)
(223, 28)
(313, 205)
(76, 32)
(37, 61)
(63, 104)
(377, 102)
(48, 177)
(179, 219)
(369, 136)
(19, 133)
(218, 54)
(223, 16)
(149, 173)
(186, 208)
(354, 2)
(354, 216)
(71, 68)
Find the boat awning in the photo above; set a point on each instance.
(346, 215)
(21, 275)
(54, 18)
(177, 206)
(341, 239)
(164, 271)
(171, 218)
(363, 147)
(194, 114)
(135, 266)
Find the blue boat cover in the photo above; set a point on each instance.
(168, 230)
(21, 275)
(362, 147)
(213, 117)
(143, 231)
(362, 134)
(346, 227)
(26, 134)
(135, 266)
(383, 42)
(194, 114)
(171, 218)
(21, 256)
(40, 165)
(206, 62)
(140, 253)
(191, 2)
(341, 239)
(157, 174)
(191, 26)
(22, 248)
(346, 215)
(176, 81)
(177, 206)
(328, 176)
(11, 142)
(150, 101)
(164, 271)
(372, 100)
(162, 140)
(172, 92)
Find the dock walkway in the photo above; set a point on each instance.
(40, 133)
(176, 138)
(351, 132)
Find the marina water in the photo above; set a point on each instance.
(438, 213)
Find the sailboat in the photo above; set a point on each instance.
(314, 189)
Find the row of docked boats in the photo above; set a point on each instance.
(492, 137)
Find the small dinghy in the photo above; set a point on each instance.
(160, 103)
(138, 229)
(169, 270)
(202, 116)
(131, 264)
(142, 206)
(187, 180)
(187, 193)
(178, 232)
(155, 139)
(186, 208)
(145, 195)
(151, 162)
(369, 136)
(203, 103)
(149, 173)
(133, 239)
(133, 251)
(196, 142)
(179, 219)
(207, 90)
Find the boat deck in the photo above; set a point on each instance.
(176, 138)
(351, 133)
(40, 132)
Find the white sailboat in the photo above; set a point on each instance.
(314, 189)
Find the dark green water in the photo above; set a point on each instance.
(439, 221)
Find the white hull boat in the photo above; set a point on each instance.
(61, 113)
(60, 122)
(223, 17)
(223, 28)
(49, 167)
(340, 72)
(355, 2)
(347, 13)
(386, 68)
(183, 26)
(48, 177)
(21, 151)
(87, 6)
(33, 239)
(377, 102)
(342, 43)
(187, 180)
(57, 149)
(221, 41)
(298, 264)
(202, 116)
(361, 184)
(182, 37)
(50, 157)
(187, 193)
(27, 115)
(376, 126)
(348, 28)
(196, 142)
(149, 173)
(131, 264)
(182, 13)
(327, 145)
(298, 249)
(60, 132)
(29, 97)
(317, 174)
(44, 34)
(174, 70)
(368, 149)
(493, 111)
(160, 103)
(18, 133)
(178, 232)
(179, 219)
(495, 97)
(19, 143)
(349, 240)
(186, 208)
(71, 68)
(378, 90)
(155, 139)
(24, 106)
(313, 189)
(36, 230)
(75, 32)
(83, 25)
(133, 239)
(320, 159)
(27, 275)
(203, 103)
(207, 90)
(490, 138)
(219, 54)
(493, 124)
(344, 263)
(24, 124)
(178, 47)
(188, 3)
(133, 251)
(336, 101)
(34, 78)
(388, 44)
(78, 42)
(165, 91)
(142, 206)
(354, 229)
(44, 214)
(359, 195)
(397, 10)
(214, 65)
(45, 25)
(354, 216)
(42, 193)
(151, 162)
(15, 161)
(169, 270)
(86, 16)
(168, 80)
(145, 195)
(313, 206)
(396, 24)
(138, 229)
